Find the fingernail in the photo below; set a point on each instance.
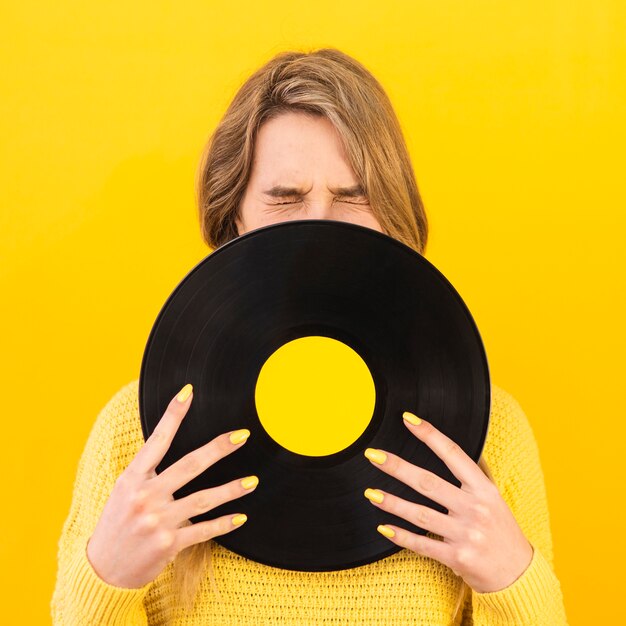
(185, 392)
(412, 419)
(239, 435)
(378, 456)
(249, 481)
(238, 520)
(374, 494)
(385, 530)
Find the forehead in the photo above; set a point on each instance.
(298, 145)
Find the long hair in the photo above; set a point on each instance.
(324, 82)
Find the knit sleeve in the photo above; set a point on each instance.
(535, 597)
(80, 596)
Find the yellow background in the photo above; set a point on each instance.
(514, 114)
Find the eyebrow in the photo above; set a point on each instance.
(280, 191)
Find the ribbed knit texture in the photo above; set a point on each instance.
(405, 588)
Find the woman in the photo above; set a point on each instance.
(309, 135)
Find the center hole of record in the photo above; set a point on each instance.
(315, 395)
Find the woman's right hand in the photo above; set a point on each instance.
(142, 527)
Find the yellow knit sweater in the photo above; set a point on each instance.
(402, 589)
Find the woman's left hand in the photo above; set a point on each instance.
(482, 541)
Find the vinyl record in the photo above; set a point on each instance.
(331, 279)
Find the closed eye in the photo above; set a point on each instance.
(297, 201)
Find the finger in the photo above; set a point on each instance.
(207, 499)
(194, 463)
(420, 515)
(203, 531)
(422, 544)
(158, 443)
(450, 452)
(422, 480)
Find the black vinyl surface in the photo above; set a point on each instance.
(315, 277)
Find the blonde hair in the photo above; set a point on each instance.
(324, 82)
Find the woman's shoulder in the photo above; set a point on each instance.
(124, 405)
(127, 395)
(122, 408)
(116, 433)
(510, 439)
(507, 419)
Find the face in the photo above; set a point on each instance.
(300, 171)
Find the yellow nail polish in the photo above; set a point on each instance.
(385, 530)
(249, 481)
(374, 494)
(378, 456)
(185, 392)
(412, 419)
(239, 435)
(238, 520)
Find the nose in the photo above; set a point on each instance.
(319, 208)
